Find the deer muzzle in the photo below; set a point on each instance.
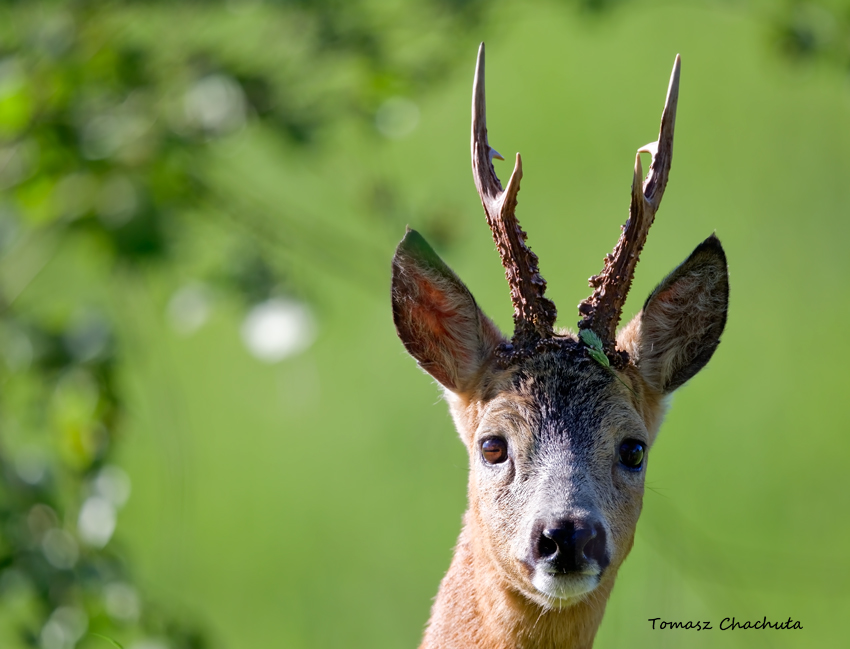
(567, 556)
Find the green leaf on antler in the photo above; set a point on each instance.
(594, 347)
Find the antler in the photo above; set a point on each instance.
(534, 315)
(602, 310)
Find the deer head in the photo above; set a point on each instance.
(558, 426)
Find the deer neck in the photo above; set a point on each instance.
(477, 608)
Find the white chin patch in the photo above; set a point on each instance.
(563, 589)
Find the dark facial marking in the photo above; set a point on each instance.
(568, 390)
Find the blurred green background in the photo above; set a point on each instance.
(211, 436)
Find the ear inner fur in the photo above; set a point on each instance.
(437, 318)
(683, 318)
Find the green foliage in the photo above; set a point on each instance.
(109, 117)
(114, 121)
(814, 30)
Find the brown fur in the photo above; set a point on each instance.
(563, 417)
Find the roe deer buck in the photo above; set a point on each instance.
(558, 426)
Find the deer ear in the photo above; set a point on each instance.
(679, 328)
(437, 318)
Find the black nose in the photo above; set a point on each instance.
(572, 545)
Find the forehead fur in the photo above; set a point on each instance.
(560, 392)
(570, 393)
(558, 389)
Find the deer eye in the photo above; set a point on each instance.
(494, 450)
(631, 454)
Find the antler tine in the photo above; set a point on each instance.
(534, 315)
(602, 310)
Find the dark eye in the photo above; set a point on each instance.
(631, 454)
(494, 450)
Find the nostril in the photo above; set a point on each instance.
(571, 545)
(547, 547)
(582, 538)
(595, 548)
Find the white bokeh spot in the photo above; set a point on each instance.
(278, 328)
(97, 520)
